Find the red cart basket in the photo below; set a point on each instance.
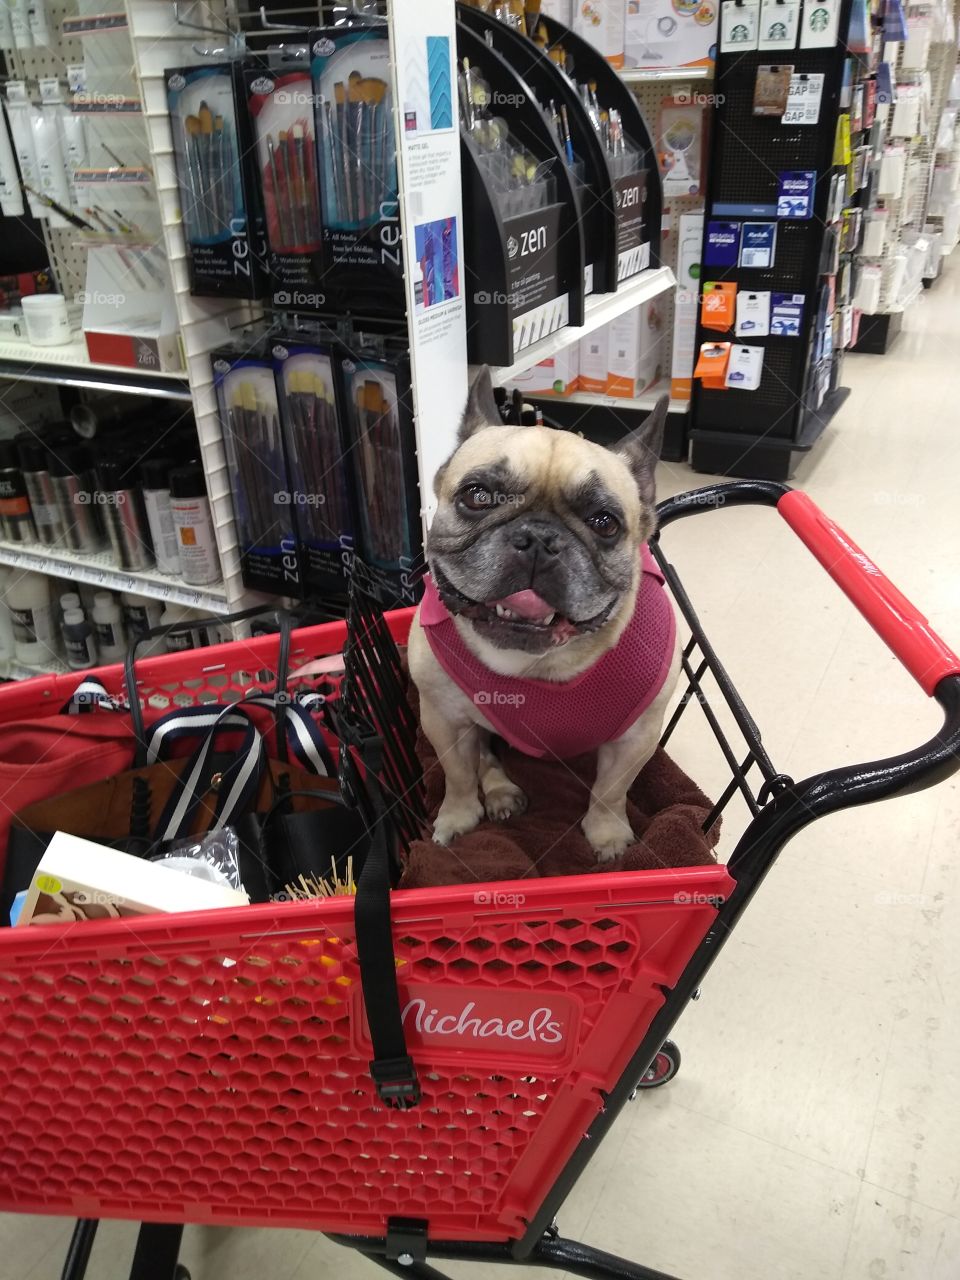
(213, 1067)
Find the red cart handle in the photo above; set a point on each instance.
(899, 623)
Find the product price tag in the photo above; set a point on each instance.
(803, 99)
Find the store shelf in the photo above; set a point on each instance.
(599, 310)
(70, 366)
(11, 669)
(646, 401)
(644, 75)
(98, 570)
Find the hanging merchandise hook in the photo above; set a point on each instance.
(221, 27)
(284, 26)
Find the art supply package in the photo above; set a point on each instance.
(382, 451)
(253, 444)
(280, 101)
(360, 209)
(211, 145)
(317, 466)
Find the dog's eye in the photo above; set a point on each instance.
(476, 498)
(604, 524)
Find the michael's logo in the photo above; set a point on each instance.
(497, 1022)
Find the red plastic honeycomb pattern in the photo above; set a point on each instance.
(213, 1067)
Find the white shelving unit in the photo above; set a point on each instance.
(642, 402)
(155, 40)
(600, 309)
(97, 569)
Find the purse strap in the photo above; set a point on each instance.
(184, 628)
(240, 779)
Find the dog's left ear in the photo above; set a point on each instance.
(481, 410)
(641, 449)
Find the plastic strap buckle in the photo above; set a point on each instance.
(396, 1081)
(406, 1240)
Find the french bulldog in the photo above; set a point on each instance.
(544, 618)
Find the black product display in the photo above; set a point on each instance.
(523, 242)
(319, 489)
(250, 417)
(212, 148)
(772, 223)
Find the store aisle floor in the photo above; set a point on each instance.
(813, 1131)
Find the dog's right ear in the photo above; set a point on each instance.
(481, 409)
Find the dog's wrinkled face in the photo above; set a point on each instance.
(537, 533)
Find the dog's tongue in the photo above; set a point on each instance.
(528, 605)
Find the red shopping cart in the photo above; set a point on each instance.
(214, 1067)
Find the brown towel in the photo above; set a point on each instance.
(665, 809)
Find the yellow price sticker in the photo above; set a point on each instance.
(48, 884)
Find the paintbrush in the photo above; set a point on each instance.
(327, 149)
(285, 197)
(275, 186)
(205, 116)
(195, 215)
(372, 91)
(340, 96)
(220, 195)
(300, 137)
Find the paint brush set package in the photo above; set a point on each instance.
(211, 142)
(360, 210)
(253, 443)
(382, 451)
(280, 102)
(317, 468)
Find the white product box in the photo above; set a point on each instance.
(634, 351)
(594, 360)
(663, 34)
(557, 375)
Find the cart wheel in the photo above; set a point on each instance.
(663, 1068)
(181, 1273)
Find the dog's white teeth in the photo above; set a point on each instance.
(549, 619)
(503, 612)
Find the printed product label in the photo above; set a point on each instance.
(24, 626)
(532, 257)
(629, 194)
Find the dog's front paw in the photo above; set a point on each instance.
(504, 801)
(456, 820)
(608, 834)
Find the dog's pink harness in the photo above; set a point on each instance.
(549, 718)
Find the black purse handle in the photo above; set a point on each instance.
(205, 624)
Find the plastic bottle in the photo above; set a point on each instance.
(199, 562)
(16, 522)
(108, 628)
(193, 639)
(28, 599)
(155, 480)
(78, 641)
(139, 616)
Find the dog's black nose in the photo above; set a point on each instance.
(535, 535)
